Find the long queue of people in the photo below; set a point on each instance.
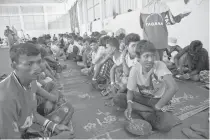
(123, 67)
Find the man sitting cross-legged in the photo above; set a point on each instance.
(150, 88)
(18, 104)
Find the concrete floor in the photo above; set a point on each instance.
(91, 113)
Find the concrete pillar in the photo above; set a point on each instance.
(79, 14)
(22, 33)
(21, 18)
(102, 13)
(45, 19)
(85, 14)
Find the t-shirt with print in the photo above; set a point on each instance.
(152, 83)
(130, 62)
(154, 19)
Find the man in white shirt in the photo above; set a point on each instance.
(150, 89)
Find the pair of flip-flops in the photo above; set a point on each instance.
(195, 132)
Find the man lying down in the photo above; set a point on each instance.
(18, 99)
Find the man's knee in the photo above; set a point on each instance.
(195, 77)
(46, 108)
(70, 106)
(50, 86)
(120, 100)
(182, 59)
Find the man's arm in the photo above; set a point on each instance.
(171, 20)
(46, 95)
(171, 89)
(141, 21)
(177, 57)
(132, 85)
(178, 48)
(6, 33)
(9, 128)
(126, 69)
(50, 58)
(49, 68)
(43, 121)
(99, 55)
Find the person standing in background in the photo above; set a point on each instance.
(15, 36)
(154, 18)
(10, 36)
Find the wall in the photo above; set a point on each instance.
(54, 18)
(34, 33)
(128, 21)
(195, 26)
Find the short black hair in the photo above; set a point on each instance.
(41, 40)
(28, 49)
(132, 37)
(93, 40)
(195, 46)
(120, 36)
(144, 46)
(103, 40)
(86, 39)
(80, 38)
(113, 42)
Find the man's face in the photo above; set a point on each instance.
(80, 42)
(7, 27)
(109, 48)
(86, 44)
(131, 48)
(29, 67)
(47, 41)
(94, 46)
(147, 59)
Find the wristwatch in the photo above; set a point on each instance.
(157, 108)
(129, 101)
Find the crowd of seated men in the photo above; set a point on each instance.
(123, 67)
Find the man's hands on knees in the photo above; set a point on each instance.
(128, 111)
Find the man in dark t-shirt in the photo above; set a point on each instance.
(191, 60)
(154, 18)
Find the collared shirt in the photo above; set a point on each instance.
(18, 81)
(17, 107)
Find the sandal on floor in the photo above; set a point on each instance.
(94, 84)
(191, 134)
(200, 131)
(109, 103)
(104, 93)
(109, 97)
(102, 86)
